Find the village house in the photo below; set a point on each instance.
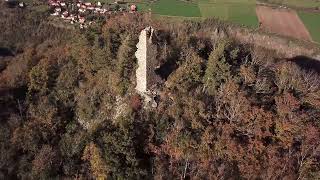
(87, 4)
(133, 7)
(53, 3)
(82, 20)
(82, 10)
(22, 5)
(65, 14)
(90, 8)
(70, 18)
(83, 26)
(58, 9)
(55, 14)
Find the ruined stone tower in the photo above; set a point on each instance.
(147, 62)
(146, 54)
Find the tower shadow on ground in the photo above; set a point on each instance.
(307, 63)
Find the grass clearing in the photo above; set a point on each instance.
(143, 7)
(237, 11)
(175, 8)
(241, 13)
(227, 1)
(296, 3)
(218, 11)
(176, 18)
(311, 21)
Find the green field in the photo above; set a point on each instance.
(241, 12)
(312, 22)
(296, 3)
(228, 1)
(143, 7)
(176, 8)
(237, 11)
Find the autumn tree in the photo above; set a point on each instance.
(98, 167)
(227, 110)
(287, 104)
(248, 74)
(121, 150)
(217, 70)
(45, 162)
(65, 83)
(188, 75)
(125, 64)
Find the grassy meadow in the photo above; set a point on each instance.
(241, 12)
(237, 11)
(296, 3)
(176, 8)
(312, 22)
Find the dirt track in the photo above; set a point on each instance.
(282, 21)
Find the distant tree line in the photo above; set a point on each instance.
(227, 110)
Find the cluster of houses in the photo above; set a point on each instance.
(76, 12)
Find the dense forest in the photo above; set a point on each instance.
(226, 110)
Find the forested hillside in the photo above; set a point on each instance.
(226, 110)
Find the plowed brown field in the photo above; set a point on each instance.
(282, 21)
